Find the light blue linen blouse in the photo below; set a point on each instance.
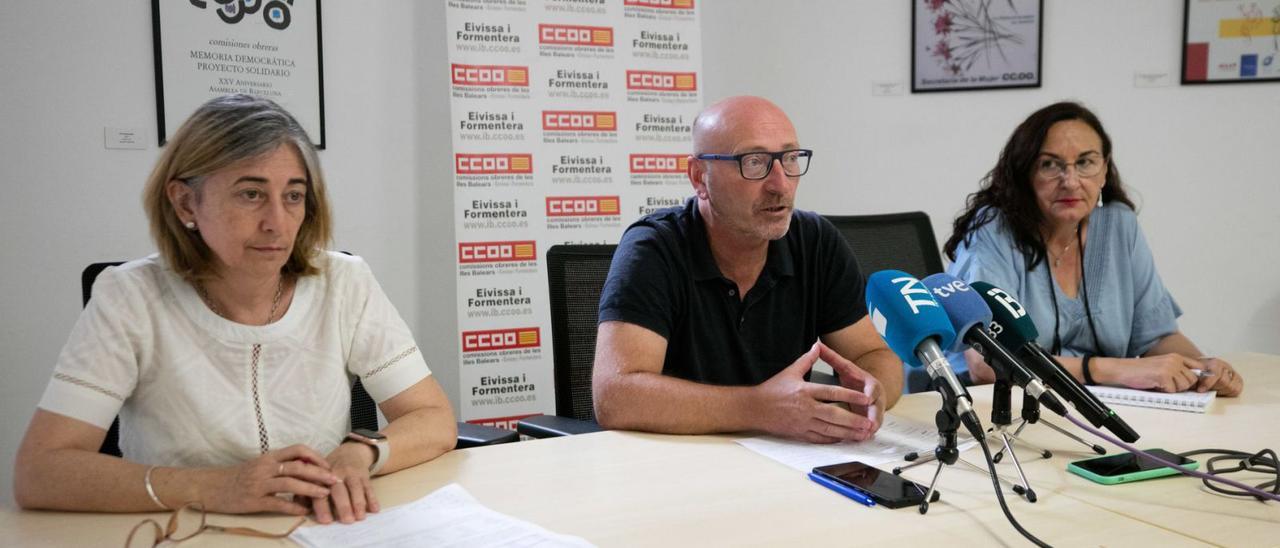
(1131, 307)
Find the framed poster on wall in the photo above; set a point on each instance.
(975, 44)
(1230, 42)
(267, 48)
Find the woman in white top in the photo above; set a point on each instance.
(228, 355)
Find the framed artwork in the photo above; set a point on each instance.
(267, 48)
(975, 44)
(1230, 41)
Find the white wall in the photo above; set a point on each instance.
(435, 269)
(1201, 158)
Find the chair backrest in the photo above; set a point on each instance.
(901, 241)
(576, 275)
(364, 412)
(111, 443)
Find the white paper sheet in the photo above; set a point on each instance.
(896, 437)
(450, 516)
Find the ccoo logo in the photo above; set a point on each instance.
(578, 120)
(661, 81)
(492, 164)
(489, 75)
(659, 163)
(575, 35)
(501, 339)
(578, 206)
(497, 252)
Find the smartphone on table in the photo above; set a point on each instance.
(883, 487)
(1128, 467)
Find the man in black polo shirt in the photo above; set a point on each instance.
(714, 313)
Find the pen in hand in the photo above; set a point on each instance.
(1202, 373)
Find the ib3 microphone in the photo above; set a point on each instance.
(1015, 330)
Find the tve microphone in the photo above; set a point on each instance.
(916, 328)
(1015, 330)
(970, 316)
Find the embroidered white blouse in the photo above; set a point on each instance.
(183, 380)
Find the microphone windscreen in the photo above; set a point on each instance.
(1012, 326)
(904, 313)
(962, 304)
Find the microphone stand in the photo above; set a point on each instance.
(1001, 419)
(1009, 371)
(946, 452)
(1030, 415)
(947, 422)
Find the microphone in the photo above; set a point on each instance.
(970, 315)
(915, 327)
(1014, 329)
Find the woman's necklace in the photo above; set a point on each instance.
(264, 443)
(1057, 260)
(275, 301)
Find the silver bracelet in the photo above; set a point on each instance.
(146, 480)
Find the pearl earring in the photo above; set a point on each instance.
(191, 225)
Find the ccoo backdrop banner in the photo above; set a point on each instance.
(571, 118)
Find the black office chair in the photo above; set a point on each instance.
(575, 275)
(364, 412)
(899, 241)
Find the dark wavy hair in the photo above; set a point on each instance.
(1007, 190)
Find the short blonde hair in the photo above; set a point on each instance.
(222, 132)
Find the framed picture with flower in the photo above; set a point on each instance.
(1231, 42)
(975, 44)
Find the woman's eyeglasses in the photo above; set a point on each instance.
(1089, 165)
(189, 521)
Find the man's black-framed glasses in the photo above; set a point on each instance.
(755, 166)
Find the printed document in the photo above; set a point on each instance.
(897, 437)
(448, 517)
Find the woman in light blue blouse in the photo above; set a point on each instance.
(1052, 225)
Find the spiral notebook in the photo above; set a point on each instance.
(1194, 402)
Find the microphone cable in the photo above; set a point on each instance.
(1258, 459)
(1263, 461)
(1004, 506)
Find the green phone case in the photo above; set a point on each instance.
(1126, 478)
